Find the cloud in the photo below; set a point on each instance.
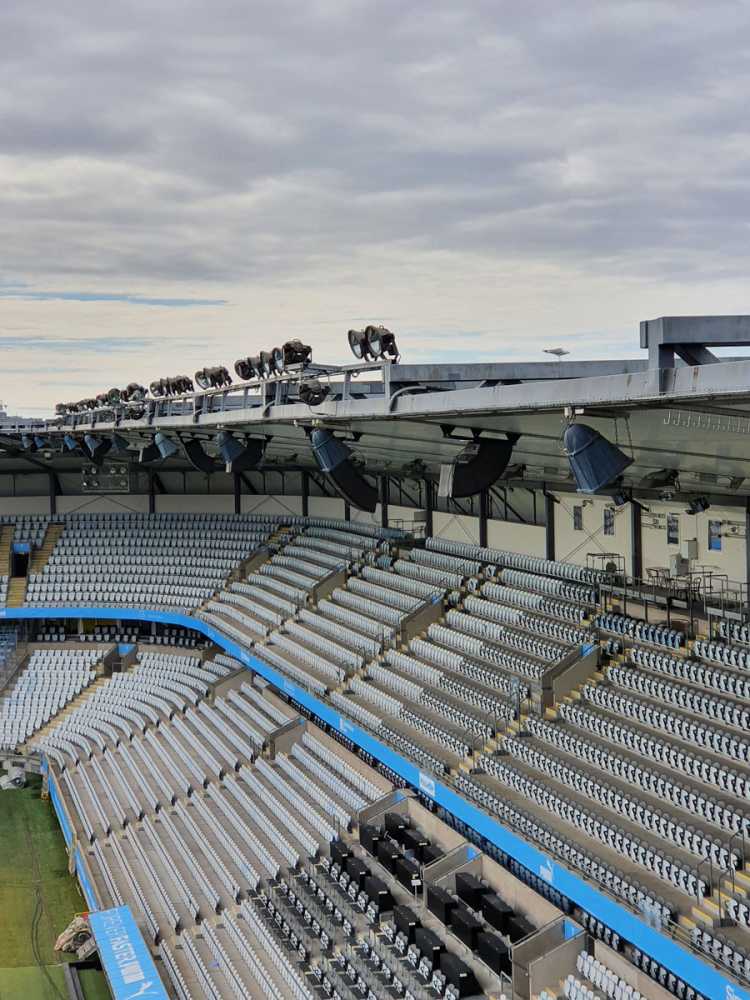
(528, 173)
(132, 300)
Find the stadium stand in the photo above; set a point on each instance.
(617, 746)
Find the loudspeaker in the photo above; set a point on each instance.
(198, 457)
(469, 889)
(407, 921)
(519, 927)
(239, 457)
(429, 944)
(334, 458)
(594, 461)
(465, 926)
(459, 975)
(441, 903)
(494, 951)
(476, 468)
(496, 912)
(369, 838)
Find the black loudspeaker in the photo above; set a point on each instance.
(458, 974)
(358, 871)
(431, 853)
(406, 871)
(440, 902)
(465, 926)
(239, 458)
(519, 927)
(334, 458)
(339, 852)
(469, 889)
(369, 838)
(429, 944)
(395, 824)
(496, 912)
(476, 468)
(149, 454)
(413, 840)
(388, 855)
(494, 952)
(377, 892)
(406, 920)
(198, 457)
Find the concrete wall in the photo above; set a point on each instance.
(574, 546)
(269, 505)
(730, 560)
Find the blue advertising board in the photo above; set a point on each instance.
(702, 976)
(126, 960)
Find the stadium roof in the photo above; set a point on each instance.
(682, 409)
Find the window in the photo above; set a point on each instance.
(578, 519)
(609, 521)
(673, 529)
(714, 536)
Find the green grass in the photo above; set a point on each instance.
(34, 864)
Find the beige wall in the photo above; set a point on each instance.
(456, 527)
(270, 505)
(24, 505)
(528, 538)
(574, 546)
(731, 559)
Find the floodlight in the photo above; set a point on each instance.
(265, 369)
(133, 391)
(313, 392)
(698, 505)
(296, 353)
(372, 343)
(244, 369)
(594, 461)
(277, 361)
(213, 378)
(114, 396)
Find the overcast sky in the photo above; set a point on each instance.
(182, 183)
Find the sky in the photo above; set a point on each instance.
(185, 183)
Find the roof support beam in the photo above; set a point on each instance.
(549, 536)
(636, 541)
(484, 513)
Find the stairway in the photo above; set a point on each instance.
(41, 555)
(16, 591)
(6, 547)
(71, 706)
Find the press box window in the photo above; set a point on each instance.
(609, 521)
(714, 536)
(578, 519)
(673, 529)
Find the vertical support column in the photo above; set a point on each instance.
(347, 512)
(305, 493)
(636, 541)
(747, 542)
(484, 513)
(384, 498)
(52, 493)
(549, 517)
(428, 506)
(151, 492)
(237, 492)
